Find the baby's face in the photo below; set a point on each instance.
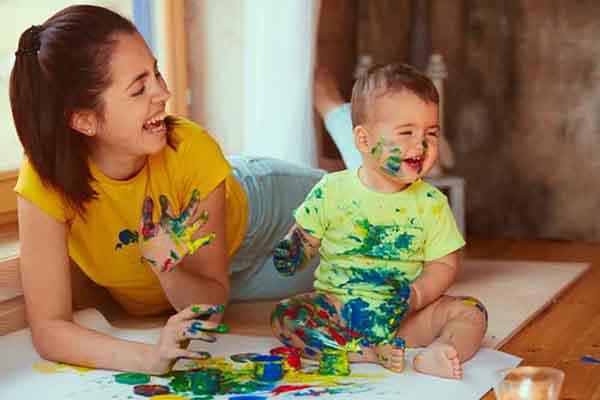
(403, 137)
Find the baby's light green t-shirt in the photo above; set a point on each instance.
(373, 243)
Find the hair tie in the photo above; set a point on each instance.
(34, 43)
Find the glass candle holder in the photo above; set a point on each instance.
(529, 383)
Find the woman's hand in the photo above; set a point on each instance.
(165, 244)
(194, 322)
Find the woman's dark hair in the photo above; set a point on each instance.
(63, 66)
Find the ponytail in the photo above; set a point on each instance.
(61, 67)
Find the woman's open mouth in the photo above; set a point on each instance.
(156, 125)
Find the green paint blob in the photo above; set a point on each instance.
(205, 381)
(334, 362)
(132, 378)
(318, 193)
(180, 383)
(424, 143)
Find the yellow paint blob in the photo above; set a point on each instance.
(168, 397)
(47, 367)
(327, 380)
(436, 210)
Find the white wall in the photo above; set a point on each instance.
(20, 16)
(216, 69)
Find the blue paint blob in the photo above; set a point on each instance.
(268, 368)
(247, 398)
(310, 351)
(322, 302)
(398, 343)
(404, 241)
(590, 360)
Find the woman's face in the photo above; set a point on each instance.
(134, 106)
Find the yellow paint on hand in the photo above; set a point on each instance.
(168, 397)
(470, 301)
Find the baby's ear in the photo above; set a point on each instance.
(361, 139)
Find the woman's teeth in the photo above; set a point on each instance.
(155, 121)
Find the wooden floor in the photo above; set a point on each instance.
(567, 330)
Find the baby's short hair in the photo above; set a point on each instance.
(383, 79)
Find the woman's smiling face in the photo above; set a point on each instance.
(133, 124)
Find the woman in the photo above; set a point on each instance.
(142, 202)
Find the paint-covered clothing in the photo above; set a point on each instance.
(105, 244)
(374, 245)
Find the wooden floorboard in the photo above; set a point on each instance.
(567, 330)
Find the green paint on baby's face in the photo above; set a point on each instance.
(377, 150)
(388, 157)
(404, 130)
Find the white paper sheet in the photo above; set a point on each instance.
(20, 380)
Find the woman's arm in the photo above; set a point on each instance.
(202, 277)
(46, 280)
(436, 278)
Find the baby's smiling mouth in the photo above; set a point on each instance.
(415, 163)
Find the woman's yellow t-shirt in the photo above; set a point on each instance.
(105, 244)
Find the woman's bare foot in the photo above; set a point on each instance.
(439, 359)
(327, 95)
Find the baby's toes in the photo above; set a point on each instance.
(397, 360)
(457, 371)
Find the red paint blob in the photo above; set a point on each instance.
(151, 390)
(291, 356)
(289, 388)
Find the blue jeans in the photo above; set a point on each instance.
(274, 189)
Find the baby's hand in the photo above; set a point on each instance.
(165, 244)
(287, 257)
(400, 299)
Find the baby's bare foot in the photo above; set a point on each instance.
(390, 357)
(439, 359)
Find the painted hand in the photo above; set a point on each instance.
(166, 243)
(194, 322)
(289, 254)
(399, 303)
